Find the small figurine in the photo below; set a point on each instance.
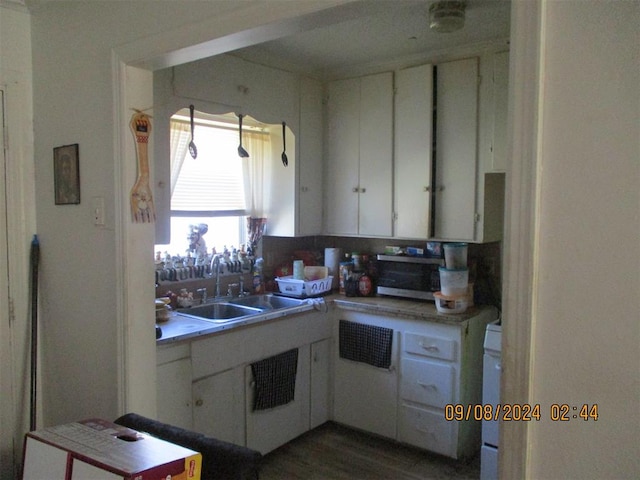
(197, 244)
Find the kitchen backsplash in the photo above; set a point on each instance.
(483, 260)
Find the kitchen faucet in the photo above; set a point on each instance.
(203, 295)
(215, 267)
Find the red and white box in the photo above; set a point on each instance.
(99, 450)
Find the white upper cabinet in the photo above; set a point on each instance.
(456, 150)
(413, 144)
(500, 84)
(293, 194)
(358, 187)
(310, 158)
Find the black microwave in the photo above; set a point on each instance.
(406, 276)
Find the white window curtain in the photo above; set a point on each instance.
(257, 144)
(180, 135)
(218, 180)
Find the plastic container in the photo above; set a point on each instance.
(451, 304)
(454, 282)
(301, 288)
(455, 255)
(315, 273)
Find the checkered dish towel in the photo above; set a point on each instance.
(366, 343)
(275, 380)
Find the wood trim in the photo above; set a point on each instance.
(133, 88)
(520, 230)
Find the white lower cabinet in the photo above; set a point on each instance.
(173, 388)
(429, 381)
(365, 396)
(268, 429)
(441, 365)
(206, 385)
(437, 364)
(218, 405)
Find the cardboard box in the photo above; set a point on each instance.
(96, 449)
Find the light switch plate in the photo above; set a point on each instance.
(97, 209)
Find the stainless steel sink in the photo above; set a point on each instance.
(219, 312)
(267, 302)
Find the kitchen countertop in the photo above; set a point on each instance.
(180, 328)
(403, 307)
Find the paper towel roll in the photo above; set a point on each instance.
(332, 257)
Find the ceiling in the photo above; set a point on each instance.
(381, 33)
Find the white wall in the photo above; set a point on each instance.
(585, 330)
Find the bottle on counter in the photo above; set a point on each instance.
(357, 261)
(345, 273)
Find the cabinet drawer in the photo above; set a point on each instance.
(428, 430)
(427, 382)
(430, 346)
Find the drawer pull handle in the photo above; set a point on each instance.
(428, 385)
(430, 348)
(199, 402)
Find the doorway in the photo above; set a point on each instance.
(525, 33)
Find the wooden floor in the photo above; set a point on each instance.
(335, 452)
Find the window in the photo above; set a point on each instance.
(217, 188)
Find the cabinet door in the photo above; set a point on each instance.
(365, 396)
(342, 145)
(376, 154)
(269, 429)
(413, 148)
(310, 158)
(320, 378)
(456, 145)
(500, 105)
(219, 406)
(174, 393)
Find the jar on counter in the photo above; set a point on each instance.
(351, 284)
(365, 286)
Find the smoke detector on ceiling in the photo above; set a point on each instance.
(446, 16)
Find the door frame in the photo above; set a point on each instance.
(133, 66)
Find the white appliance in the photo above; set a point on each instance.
(492, 370)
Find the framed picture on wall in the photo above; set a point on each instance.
(66, 174)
